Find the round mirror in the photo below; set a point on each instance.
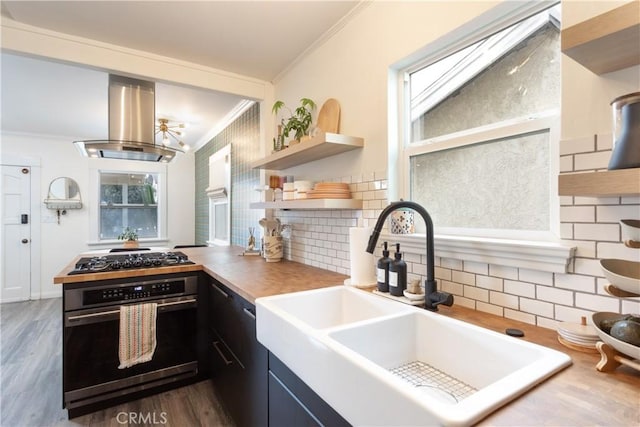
(64, 188)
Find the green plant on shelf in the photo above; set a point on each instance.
(298, 122)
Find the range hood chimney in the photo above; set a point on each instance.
(131, 124)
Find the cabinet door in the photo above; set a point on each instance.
(239, 362)
(296, 399)
(285, 409)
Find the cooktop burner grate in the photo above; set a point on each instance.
(106, 263)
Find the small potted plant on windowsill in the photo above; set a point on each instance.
(130, 238)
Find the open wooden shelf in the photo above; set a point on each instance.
(310, 204)
(322, 145)
(608, 42)
(619, 182)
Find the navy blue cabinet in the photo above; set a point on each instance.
(238, 362)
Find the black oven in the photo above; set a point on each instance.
(91, 337)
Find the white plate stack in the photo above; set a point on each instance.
(578, 336)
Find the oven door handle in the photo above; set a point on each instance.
(106, 313)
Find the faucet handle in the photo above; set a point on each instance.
(438, 298)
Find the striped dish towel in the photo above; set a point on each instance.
(137, 334)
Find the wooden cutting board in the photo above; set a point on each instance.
(329, 116)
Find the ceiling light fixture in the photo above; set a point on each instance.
(171, 132)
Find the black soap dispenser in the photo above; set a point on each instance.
(397, 274)
(382, 272)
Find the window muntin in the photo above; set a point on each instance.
(480, 123)
(128, 200)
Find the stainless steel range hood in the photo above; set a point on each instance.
(131, 124)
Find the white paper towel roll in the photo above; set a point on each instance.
(362, 263)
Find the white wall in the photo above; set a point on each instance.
(60, 244)
(353, 65)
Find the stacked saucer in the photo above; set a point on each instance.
(581, 337)
(330, 190)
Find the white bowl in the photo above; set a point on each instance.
(621, 346)
(622, 274)
(631, 232)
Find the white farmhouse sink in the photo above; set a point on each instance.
(348, 344)
(334, 306)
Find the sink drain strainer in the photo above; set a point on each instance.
(433, 381)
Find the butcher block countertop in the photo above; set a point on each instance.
(577, 396)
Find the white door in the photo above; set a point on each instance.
(16, 232)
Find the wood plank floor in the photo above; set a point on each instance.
(31, 380)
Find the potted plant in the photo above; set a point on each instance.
(298, 122)
(130, 238)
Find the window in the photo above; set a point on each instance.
(128, 200)
(121, 197)
(482, 132)
(218, 192)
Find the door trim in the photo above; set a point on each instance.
(33, 163)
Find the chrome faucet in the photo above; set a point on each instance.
(432, 298)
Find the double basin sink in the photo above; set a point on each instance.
(380, 362)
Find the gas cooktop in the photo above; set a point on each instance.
(129, 261)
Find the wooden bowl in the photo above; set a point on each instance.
(622, 274)
(621, 346)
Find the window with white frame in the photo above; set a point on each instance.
(218, 192)
(482, 132)
(128, 200)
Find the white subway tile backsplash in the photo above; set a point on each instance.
(582, 200)
(451, 287)
(630, 307)
(575, 282)
(475, 267)
(520, 316)
(503, 271)
(566, 163)
(597, 302)
(606, 232)
(554, 295)
(533, 276)
(585, 144)
(477, 294)
(584, 248)
(442, 273)
(571, 314)
(617, 250)
(465, 302)
(590, 267)
(520, 288)
(504, 300)
(614, 213)
(453, 264)
(489, 308)
(547, 323)
(591, 161)
(488, 282)
(577, 214)
(566, 231)
(630, 200)
(463, 277)
(533, 306)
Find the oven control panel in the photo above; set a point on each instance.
(131, 292)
